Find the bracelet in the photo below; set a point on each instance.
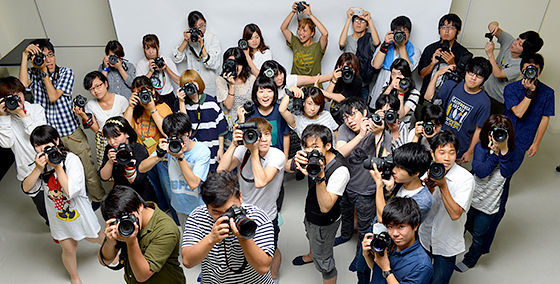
(233, 95)
(293, 165)
(207, 58)
(529, 94)
(384, 48)
(89, 122)
(401, 94)
(106, 69)
(153, 111)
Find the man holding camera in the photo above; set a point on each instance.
(405, 260)
(261, 168)
(148, 239)
(188, 162)
(328, 177)
(232, 240)
(52, 89)
(529, 104)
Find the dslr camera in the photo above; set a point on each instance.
(195, 34)
(399, 36)
(174, 144)
(243, 44)
(437, 171)
(113, 59)
(530, 72)
(269, 73)
(230, 66)
(54, 156)
(297, 103)
(499, 134)
(249, 109)
(313, 166)
(251, 132)
(39, 59)
(385, 165)
(404, 83)
(391, 116)
(123, 154)
(145, 96)
(429, 127)
(301, 5)
(80, 101)
(244, 224)
(159, 62)
(126, 224)
(11, 102)
(190, 89)
(376, 118)
(380, 242)
(347, 74)
(489, 36)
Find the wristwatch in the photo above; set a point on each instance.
(180, 159)
(43, 74)
(319, 179)
(387, 273)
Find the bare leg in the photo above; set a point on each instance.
(308, 257)
(69, 248)
(330, 281)
(276, 261)
(98, 240)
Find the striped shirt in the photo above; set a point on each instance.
(214, 267)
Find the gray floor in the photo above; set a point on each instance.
(525, 250)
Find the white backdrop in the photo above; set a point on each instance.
(226, 19)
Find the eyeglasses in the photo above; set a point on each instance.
(358, 19)
(350, 116)
(201, 27)
(95, 87)
(471, 74)
(447, 28)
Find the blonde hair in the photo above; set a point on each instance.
(189, 76)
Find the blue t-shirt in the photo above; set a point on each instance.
(279, 126)
(463, 111)
(541, 105)
(411, 265)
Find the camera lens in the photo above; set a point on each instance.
(145, 96)
(80, 101)
(54, 156)
(499, 134)
(437, 171)
(377, 119)
(175, 144)
(347, 74)
(247, 227)
(381, 242)
(249, 109)
(530, 72)
(404, 83)
(230, 66)
(250, 136)
(113, 59)
(39, 59)
(11, 102)
(243, 44)
(429, 128)
(390, 116)
(123, 154)
(399, 36)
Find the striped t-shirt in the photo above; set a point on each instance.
(214, 266)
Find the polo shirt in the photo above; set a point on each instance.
(411, 265)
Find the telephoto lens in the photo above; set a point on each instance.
(113, 59)
(437, 171)
(313, 166)
(11, 102)
(243, 44)
(80, 101)
(145, 96)
(499, 134)
(123, 154)
(530, 72)
(429, 128)
(54, 156)
(391, 116)
(247, 227)
(251, 132)
(39, 59)
(190, 89)
(399, 36)
(347, 74)
(175, 144)
(404, 83)
(160, 63)
(126, 225)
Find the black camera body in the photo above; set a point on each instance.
(190, 89)
(453, 76)
(445, 46)
(54, 156)
(391, 116)
(113, 59)
(399, 36)
(247, 227)
(297, 103)
(145, 96)
(499, 134)
(530, 72)
(429, 127)
(313, 166)
(39, 59)
(385, 165)
(437, 171)
(159, 62)
(251, 132)
(243, 44)
(249, 109)
(405, 83)
(489, 36)
(301, 5)
(230, 66)
(126, 224)
(195, 34)
(123, 154)
(376, 118)
(80, 101)
(11, 102)
(347, 74)
(380, 242)
(174, 144)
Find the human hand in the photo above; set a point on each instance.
(307, 10)
(436, 56)
(152, 65)
(151, 106)
(237, 136)
(529, 84)
(163, 144)
(229, 77)
(419, 129)
(375, 174)
(112, 155)
(350, 12)
(220, 229)
(467, 157)
(445, 69)
(181, 95)
(489, 48)
(382, 260)
(449, 57)
(367, 16)
(32, 49)
(241, 114)
(106, 61)
(79, 111)
(3, 109)
(365, 126)
(301, 161)
(493, 27)
(41, 160)
(389, 37)
(298, 93)
(336, 74)
(187, 35)
(133, 100)
(366, 244)
(533, 149)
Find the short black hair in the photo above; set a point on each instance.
(401, 210)
(265, 83)
(388, 99)
(176, 124)
(480, 66)
(121, 200)
(443, 138)
(45, 134)
(193, 17)
(116, 125)
(88, 79)
(350, 103)
(451, 18)
(11, 86)
(317, 131)
(533, 42)
(433, 113)
(116, 47)
(44, 42)
(276, 67)
(401, 21)
(413, 158)
(532, 58)
(218, 188)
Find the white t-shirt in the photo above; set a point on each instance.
(119, 106)
(408, 193)
(143, 67)
(325, 118)
(291, 80)
(338, 181)
(260, 57)
(264, 198)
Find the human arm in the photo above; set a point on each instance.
(109, 160)
(283, 108)
(380, 191)
(171, 70)
(374, 35)
(453, 209)
(366, 249)
(425, 68)
(255, 255)
(84, 116)
(430, 91)
(284, 26)
(494, 28)
(483, 163)
(379, 58)
(196, 253)
(346, 147)
(540, 134)
(344, 33)
(30, 181)
(475, 138)
(509, 94)
(148, 163)
(263, 176)
(229, 161)
(286, 145)
(324, 39)
(329, 92)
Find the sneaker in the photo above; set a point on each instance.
(298, 261)
(280, 220)
(339, 240)
(461, 267)
(199, 278)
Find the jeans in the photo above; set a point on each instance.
(365, 207)
(365, 93)
(159, 177)
(443, 268)
(478, 223)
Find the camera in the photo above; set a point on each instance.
(113, 59)
(175, 144)
(55, 157)
(301, 5)
(123, 154)
(313, 167)
(244, 224)
(145, 96)
(530, 72)
(126, 224)
(80, 101)
(444, 46)
(489, 36)
(437, 171)
(159, 62)
(190, 89)
(380, 242)
(39, 59)
(195, 34)
(251, 132)
(399, 36)
(297, 103)
(249, 109)
(391, 116)
(404, 83)
(358, 11)
(385, 165)
(269, 73)
(243, 44)
(499, 134)
(376, 118)
(453, 76)
(429, 127)
(11, 102)
(347, 74)
(230, 66)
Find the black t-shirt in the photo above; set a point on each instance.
(354, 89)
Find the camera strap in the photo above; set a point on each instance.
(240, 269)
(199, 55)
(243, 163)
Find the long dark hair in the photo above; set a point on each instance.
(139, 83)
(497, 120)
(248, 32)
(403, 66)
(45, 134)
(276, 67)
(240, 58)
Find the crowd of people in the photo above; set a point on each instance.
(211, 156)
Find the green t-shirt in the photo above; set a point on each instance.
(307, 59)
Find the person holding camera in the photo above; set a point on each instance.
(506, 66)
(362, 43)
(60, 174)
(261, 168)
(182, 165)
(122, 156)
(432, 120)
(441, 233)
(496, 159)
(466, 103)
(529, 104)
(404, 261)
(209, 122)
(395, 45)
(51, 87)
(345, 80)
(402, 84)
(95, 112)
(118, 70)
(18, 118)
(201, 49)
(141, 237)
(230, 238)
(387, 109)
(256, 51)
(328, 176)
(159, 68)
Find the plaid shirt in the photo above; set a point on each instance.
(59, 113)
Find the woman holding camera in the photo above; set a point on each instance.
(98, 110)
(201, 49)
(273, 69)
(118, 70)
(401, 83)
(122, 156)
(256, 51)
(60, 175)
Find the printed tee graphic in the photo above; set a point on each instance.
(456, 113)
